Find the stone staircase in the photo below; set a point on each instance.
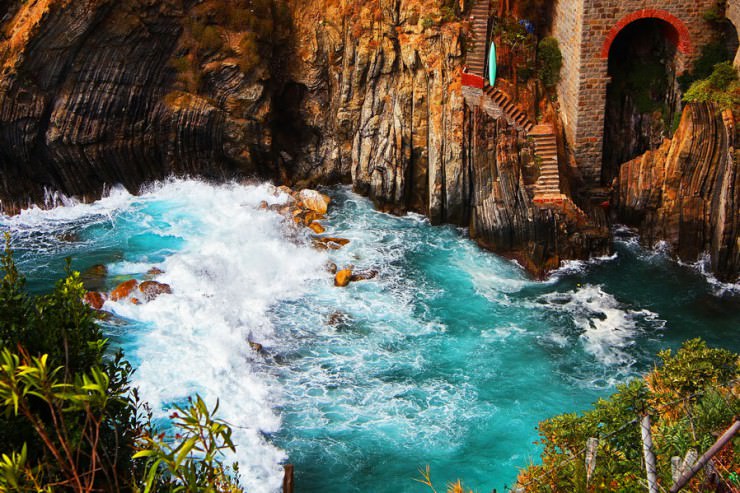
(476, 58)
(498, 104)
(546, 152)
(512, 112)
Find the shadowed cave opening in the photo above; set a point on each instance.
(643, 96)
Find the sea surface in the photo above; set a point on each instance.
(449, 358)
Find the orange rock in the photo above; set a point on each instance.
(314, 200)
(152, 289)
(316, 228)
(154, 272)
(135, 301)
(330, 242)
(123, 290)
(94, 299)
(312, 216)
(343, 278)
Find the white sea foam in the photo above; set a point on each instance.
(235, 264)
(605, 327)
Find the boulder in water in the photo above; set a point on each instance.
(343, 278)
(331, 267)
(364, 276)
(153, 273)
(94, 299)
(314, 201)
(316, 227)
(152, 289)
(256, 346)
(123, 290)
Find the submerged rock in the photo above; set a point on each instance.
(94, 278)
(123, 290)
(364, 276)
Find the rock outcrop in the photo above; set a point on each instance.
(687, 192)
(304, 92)
(95, 93)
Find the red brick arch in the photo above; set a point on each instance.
(683, 43)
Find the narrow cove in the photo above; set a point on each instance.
(449, 357)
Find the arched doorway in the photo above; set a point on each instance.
(644, 58)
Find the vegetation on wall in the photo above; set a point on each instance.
(71, 420)
(550, 61)
(721, 87)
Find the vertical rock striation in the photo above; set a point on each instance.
(687, 192)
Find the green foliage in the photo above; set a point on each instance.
(721, 87)
(550, 61)
(690, 398)
(194, 457)
(69, 419)
(722, 76)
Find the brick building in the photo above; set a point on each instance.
(585, 30)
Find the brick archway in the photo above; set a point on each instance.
(683, 41)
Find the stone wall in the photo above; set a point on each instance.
(585, 29)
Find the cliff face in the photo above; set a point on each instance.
(89, 97)
(380, 103)
(503, 216)
(96, 92)
(687, 192)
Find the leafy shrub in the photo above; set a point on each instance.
(721, 87)
(69, 418)
(690, 397)
(550, 61)
(711, 55)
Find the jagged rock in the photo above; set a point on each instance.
(123, 290)
(94, 299)
(152, 289)
(343, 278)
(256, 346)
(331, 267)
(687, 192)
(154, 272)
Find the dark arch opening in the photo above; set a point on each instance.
(643, 96)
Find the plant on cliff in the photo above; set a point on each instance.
(691, 396)
(550, 61)
(721, 87)
(69, 418)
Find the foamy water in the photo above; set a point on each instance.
(449, 357)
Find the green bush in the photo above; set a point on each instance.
(722, 76)
(69, 418)
(550, 61)
(690, 398)
(721, 87)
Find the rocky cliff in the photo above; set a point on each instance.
(304, 92)
(687, 192)
(99, 92)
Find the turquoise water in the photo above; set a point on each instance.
(449, 357)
